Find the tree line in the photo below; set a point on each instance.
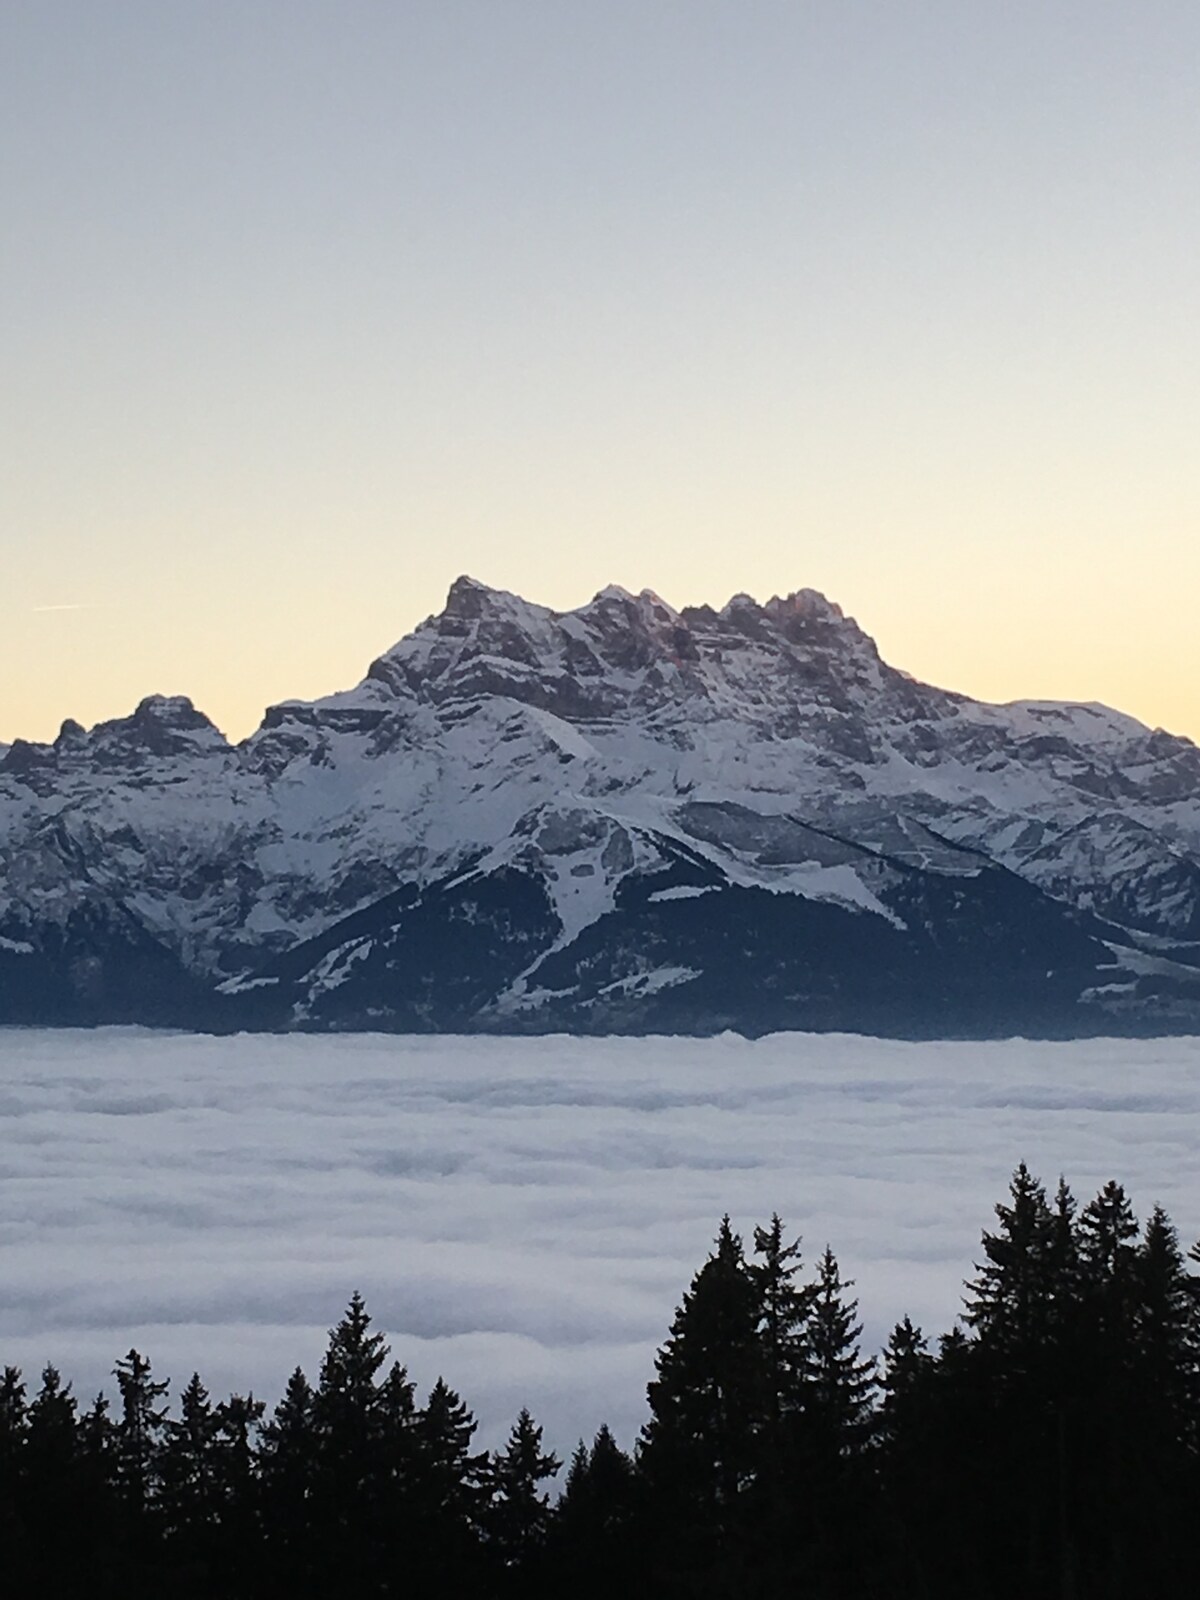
(1048, 1445)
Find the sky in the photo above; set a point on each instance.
(522, 1216)
(308, 307)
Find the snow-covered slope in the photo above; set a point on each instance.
(619, 817)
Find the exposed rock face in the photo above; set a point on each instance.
(616, 818)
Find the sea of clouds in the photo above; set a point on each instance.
(522, 1215)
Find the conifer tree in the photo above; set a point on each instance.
(784, 1312)
(607, 1483)
(447, 1426)
(237, 1422)
(595, 1533)
(97, 1454)
(781, 1462)
(700, 1444)
(1108, 1254)
(13, 1429)
(907, 1432)
(907, 1364)
(445, 1429)
(347, 1435)
(1008, 1304)
(393, 1493)
(574, 1486)
(13, 1421)
(840, 1382)
(139, 1433)
(450, 1494)
(831, 1460)
(287, 1466)
(1166, 1330)
(56, 1524)
(285, 1447)
(520, 1512)
(397, 1427)
(598, 1532)
(50, 1427)
(346, 1400)
(236, 1545)
(96, 1431)
(452, 1478)
(51, 1451)
(1064, 1249)
(1099, 1431)
(954, 1348)
(187, 1469)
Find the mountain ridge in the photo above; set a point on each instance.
(465, 839)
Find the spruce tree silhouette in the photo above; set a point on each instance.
(519, 1516)
(236, 1553)
(286, 1460)
(452, 1487)
(52, 1478)
(188, 1492)
(1049, 1446)
(139, 1435)
(785, 1310)
(13, 1425)
(699, 1450)
(347, 1432)
(597, 1531)
(1009, 1303)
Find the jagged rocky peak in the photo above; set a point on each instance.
(170, 711)
(645, 609)
(629, 633)
(804, 619)
(589, 661)
(476, 622)
(617, 816)
(811, 623)
(161, 727)
(481, 618)
(469, 601)
(23, 758)
(810, 607)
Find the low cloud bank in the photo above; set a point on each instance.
(522, 1215)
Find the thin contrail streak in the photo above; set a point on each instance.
(72, 606)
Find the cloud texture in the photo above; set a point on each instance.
(522, 1215)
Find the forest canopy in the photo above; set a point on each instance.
(1048, 1444)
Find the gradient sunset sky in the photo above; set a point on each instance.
(308, 307)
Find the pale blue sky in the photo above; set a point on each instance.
(308, 307)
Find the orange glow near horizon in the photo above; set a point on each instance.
(305, 320)
(1039, 653)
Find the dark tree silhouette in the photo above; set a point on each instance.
(287, 1466)
(451, 1494)
(189, 1495)
(706, 1401)
(519, 1517)
(839, 1381)
(139, 1433)
(1047, 1446)
(785, 1309)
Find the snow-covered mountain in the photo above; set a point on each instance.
(617, 818)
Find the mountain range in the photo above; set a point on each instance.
(617, 819)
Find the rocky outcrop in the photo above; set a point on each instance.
(622, 817)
